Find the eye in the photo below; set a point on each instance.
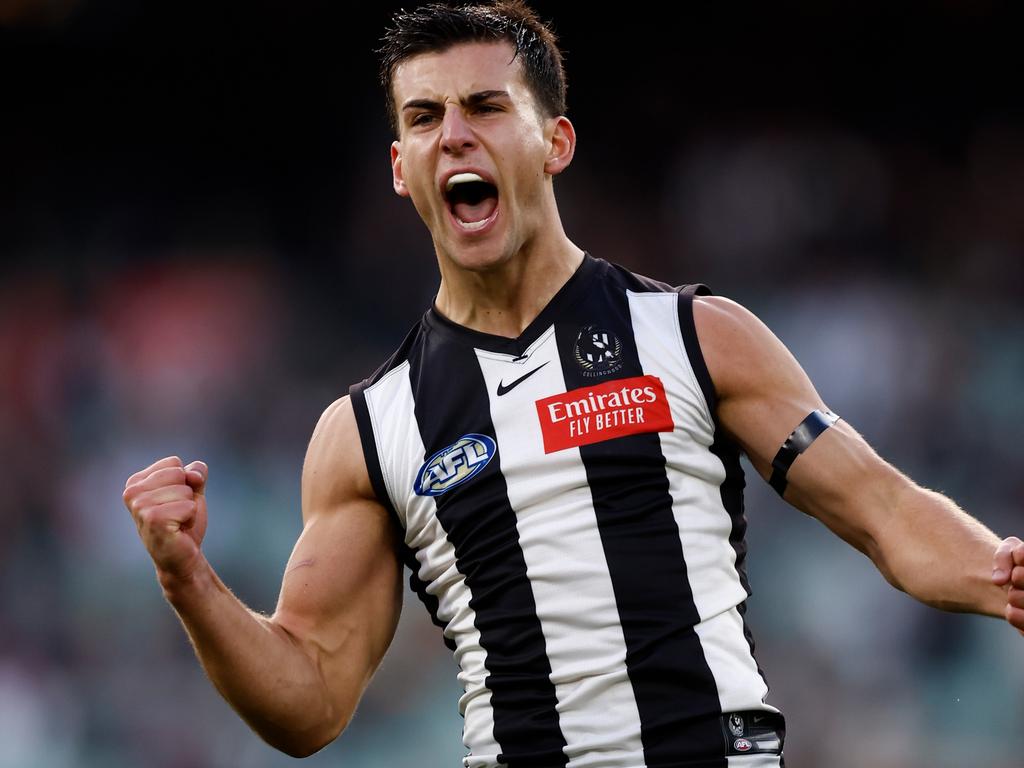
(488, 108)
(422, 119)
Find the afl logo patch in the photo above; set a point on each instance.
(598, 352)
(454, 465)
(742, 745)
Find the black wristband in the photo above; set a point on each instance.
(805, 434)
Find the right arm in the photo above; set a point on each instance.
(294, 677)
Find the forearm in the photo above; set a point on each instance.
(934, 551)
(922, 542)
(257, 666)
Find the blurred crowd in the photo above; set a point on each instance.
(893, 270)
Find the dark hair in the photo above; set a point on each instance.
(436, 27)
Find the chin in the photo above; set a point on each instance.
(479, 259)
(482, 256)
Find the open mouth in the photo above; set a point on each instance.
(472, 200)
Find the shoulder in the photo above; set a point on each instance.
(741, 353)
(334, 470)
(721, 322)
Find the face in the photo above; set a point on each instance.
(474, 154)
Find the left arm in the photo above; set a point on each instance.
(918, 539)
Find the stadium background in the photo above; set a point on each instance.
(201, 250)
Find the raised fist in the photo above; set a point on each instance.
(1008, 571)
(167, 503)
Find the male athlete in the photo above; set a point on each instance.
(553, 451)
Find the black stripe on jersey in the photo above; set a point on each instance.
(357, 396)
(689, 331)
(676, 694)
(430, 602)
(722, 447)
(482, 529)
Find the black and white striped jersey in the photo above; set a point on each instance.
(574, 523)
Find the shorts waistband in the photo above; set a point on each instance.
(753, 732)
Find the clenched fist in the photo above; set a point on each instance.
(1008, 571)
(167, 503)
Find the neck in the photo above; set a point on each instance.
(505, 298)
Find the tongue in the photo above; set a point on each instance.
(473, 212)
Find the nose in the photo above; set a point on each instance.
(456, 133)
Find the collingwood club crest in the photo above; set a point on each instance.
(598, 352)
(736, 724)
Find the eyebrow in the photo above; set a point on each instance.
(471, 100)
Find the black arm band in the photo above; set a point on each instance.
(805, 434)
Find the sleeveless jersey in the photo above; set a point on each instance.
(574, 523)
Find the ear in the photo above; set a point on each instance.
(561, 145)
(396, 170)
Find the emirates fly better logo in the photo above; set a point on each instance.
(607, 410)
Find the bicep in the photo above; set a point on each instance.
(763, 394)
(341, 594)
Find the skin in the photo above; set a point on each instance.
(918, 539)
(296, 676)
(499, 281)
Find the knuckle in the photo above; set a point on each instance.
(167, 476)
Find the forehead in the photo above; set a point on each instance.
(460, 70)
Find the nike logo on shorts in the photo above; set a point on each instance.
(504, 389)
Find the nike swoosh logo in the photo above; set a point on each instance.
(504, 389)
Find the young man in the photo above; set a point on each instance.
(553, 451)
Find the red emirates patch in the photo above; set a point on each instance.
(604, 411)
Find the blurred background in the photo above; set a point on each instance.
(197, 227)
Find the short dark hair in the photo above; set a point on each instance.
(436, 27)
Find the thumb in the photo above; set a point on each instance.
(195, 475)
(1003, 562)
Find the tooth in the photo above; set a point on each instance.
(459, 178)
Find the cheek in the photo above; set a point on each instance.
(421, 192)
(529, 171)
(424, 204)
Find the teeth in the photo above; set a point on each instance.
(460, 178)
(471, 225)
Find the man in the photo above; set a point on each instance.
(554, 452)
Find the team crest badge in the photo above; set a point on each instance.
(598, 352)
(736, 724)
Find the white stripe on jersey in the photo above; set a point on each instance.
(755, 761)
(566, 565)
(704, 523)
(392, 410)
(401, 446)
